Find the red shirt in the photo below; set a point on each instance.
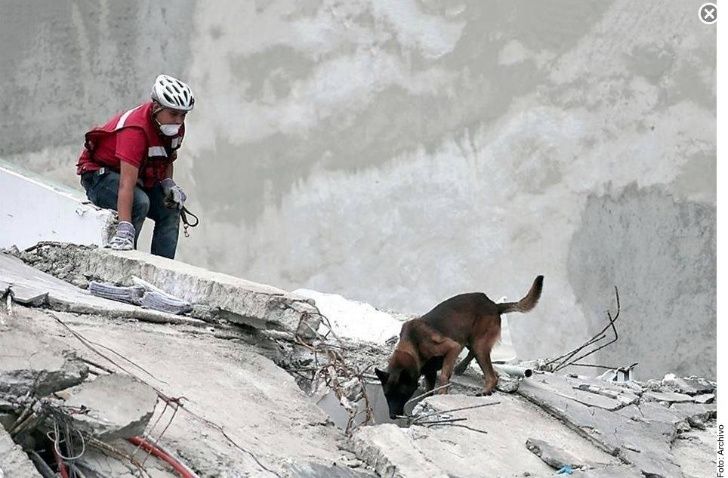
(128, 145)
(134, 138)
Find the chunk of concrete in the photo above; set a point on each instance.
(245, 302)
(704, 398)
(391, 452)
(489, 435)
(36, 364)
(669, 397)
(554, 456)
(688, 385)
(694, 411)
(62, 296)
(28, 295)
(14, 463)
(119, 406)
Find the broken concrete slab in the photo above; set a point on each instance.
(687, 385)
(14, 462)
(249, 303)
(241, 412)
(695, 449)
(694, 411)
(704, 398)
(33, 285)
(390, 451)
(669, 397)
(36, 365)
(578, 390)
(28, 295)
(116, 406)
(642, 443)
(616, 392)
(553, 455)
(481, 444)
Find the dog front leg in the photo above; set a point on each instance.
(452, 350)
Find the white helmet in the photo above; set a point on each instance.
(172, 93)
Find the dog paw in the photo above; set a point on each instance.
(485, 393)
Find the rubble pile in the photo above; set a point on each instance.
(111, 389)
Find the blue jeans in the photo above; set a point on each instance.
(103, 191)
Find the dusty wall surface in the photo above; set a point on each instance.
(402, 152)
(53, 214)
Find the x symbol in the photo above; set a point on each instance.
(708, 13)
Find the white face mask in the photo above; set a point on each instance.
(169, 129)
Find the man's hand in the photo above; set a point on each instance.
(174, 196)
(123, 240)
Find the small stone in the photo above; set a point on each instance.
(696, 422)
(705, 398)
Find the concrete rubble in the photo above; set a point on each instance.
(37, 364)
(221, 297)
(231, 390)
(125, 417)
(14, 462)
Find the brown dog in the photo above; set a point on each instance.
(434, 341)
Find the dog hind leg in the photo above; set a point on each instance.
(463, 365)
(482, 353)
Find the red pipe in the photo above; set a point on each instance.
(172, 461)
(61, 465)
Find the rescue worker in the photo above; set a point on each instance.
(128, 165)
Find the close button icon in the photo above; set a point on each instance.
(708, 13)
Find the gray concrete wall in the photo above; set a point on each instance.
(402, 152)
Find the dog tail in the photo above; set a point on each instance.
(527, 303)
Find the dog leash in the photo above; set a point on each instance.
(186, 223)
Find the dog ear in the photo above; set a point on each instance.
(383, 376)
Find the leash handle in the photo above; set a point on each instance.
(186, 223)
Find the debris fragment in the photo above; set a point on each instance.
(115, 406)
(554, 456)
(128, 294)
(157, 299)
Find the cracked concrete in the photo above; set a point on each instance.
(236, 300)
(240, 412)
(243, 413)
(492, 441)
(14, 463)
(36, 364)
(115, 406)
(640, 433)
(30, 286)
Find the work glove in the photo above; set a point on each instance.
(174, 197)
(123, 240)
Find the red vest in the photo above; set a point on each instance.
(161, 150)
